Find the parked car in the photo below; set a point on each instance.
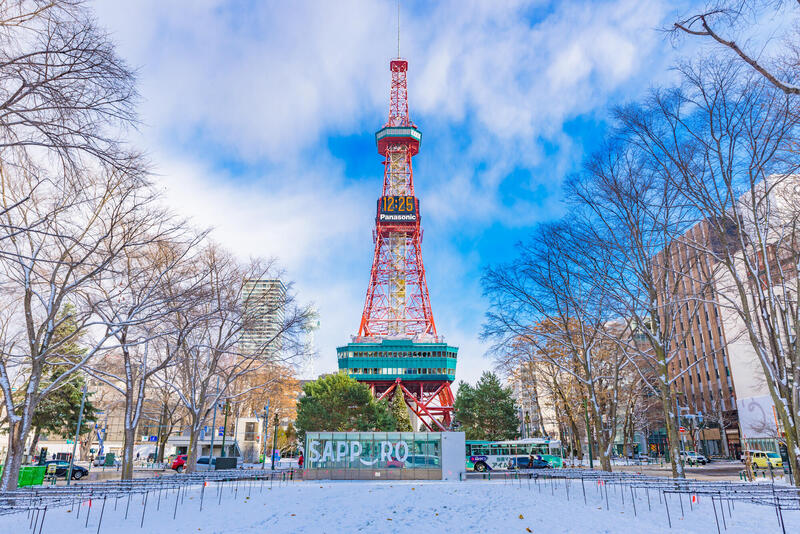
(693, 457)
(62, 468)
(393, 462)
(203, 463)
(763, 459)
(525, 463)
(422, 460)
(179, 463)
(640, 458)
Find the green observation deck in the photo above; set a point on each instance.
(389, 359)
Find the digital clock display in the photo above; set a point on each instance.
(397, 209)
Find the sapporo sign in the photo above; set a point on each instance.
(351, 450)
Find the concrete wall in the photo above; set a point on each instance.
(454, 465)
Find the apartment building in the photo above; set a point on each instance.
(264, 302)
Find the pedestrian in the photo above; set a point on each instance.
(300, 461)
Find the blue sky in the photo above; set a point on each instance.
(259, 118)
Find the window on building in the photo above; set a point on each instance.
(250, 431)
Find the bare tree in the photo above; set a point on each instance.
(724, 22)
(142, 288)
(559, 282)
(171, 412)
(65, 96)
(732, 138)
(82, 226)
(631, 209)
(213, 356)
(71, 192)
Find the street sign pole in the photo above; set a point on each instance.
(77, 434)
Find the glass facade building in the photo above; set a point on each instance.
(373, 456)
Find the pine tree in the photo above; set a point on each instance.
(340, 403)
(57, 414)
(400, 412)
(486, 411)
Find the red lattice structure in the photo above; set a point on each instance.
(397, 323)
(431, 403)
(397, 302)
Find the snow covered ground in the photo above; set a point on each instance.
(419, 507)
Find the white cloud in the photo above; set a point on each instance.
(258, 87)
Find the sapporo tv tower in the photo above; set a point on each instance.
(397, 349)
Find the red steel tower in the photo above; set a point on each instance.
(397, 298)
(397, 347)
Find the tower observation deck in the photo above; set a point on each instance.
(397, 349)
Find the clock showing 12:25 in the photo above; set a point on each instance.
(397, 209)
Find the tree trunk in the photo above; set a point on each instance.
(576, 439)
(723, 436)
(162, 439)
(37, 433)
(127, 453)
(668, 404)
(162, 445)
(791, 452)
(191, 454)
(16, 449)
(601, 439)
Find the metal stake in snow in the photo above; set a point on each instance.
(77, 433)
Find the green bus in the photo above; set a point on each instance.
(504, 455)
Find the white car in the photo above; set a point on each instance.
(202, 463)
(693, 457)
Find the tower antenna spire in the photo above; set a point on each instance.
(398, 28)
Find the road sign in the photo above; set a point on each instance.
(221, 430)
(152, 438)
(682, 430)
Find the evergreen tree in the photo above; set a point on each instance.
(400, 412)
(57, 413)
(486, 411)
(340, 403)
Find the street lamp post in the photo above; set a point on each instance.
(213, 428)
(226, 409)
(588, 433)
(266, 431)
(77, 435)
(274, 440)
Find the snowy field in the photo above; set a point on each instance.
(419, 507)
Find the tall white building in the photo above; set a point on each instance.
(264, 302)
